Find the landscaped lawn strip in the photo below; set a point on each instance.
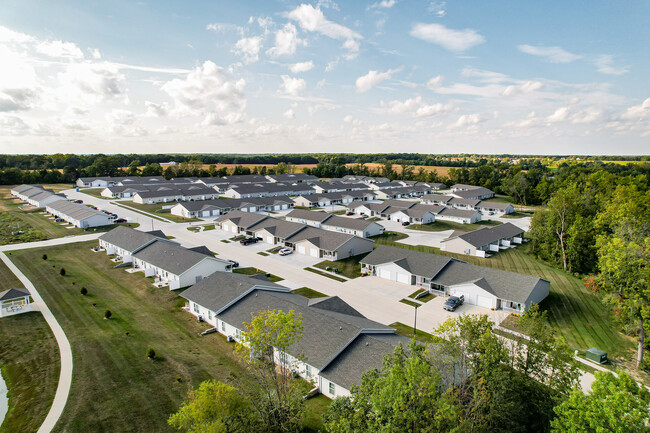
(30, 363)
(326, 274)
(255, 271)
(308, 293)
(115, 387)
(407, 331)
(95, 192)
(409, 302)
(349, 267)
(157, 210)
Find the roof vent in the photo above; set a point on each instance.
(340, 328)
(366, 343)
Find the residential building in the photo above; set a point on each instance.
(77, 214)
(330, 245)
(238, 221)
(124, 241)
(484, 241)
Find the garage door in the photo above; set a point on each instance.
(301, 249)
(269, 239)
(384, 273)
(402, 278)
(313, 252)
(285, 206)
(483, 301)
(233, 229)
(206, 213)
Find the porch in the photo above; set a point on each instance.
(15, 301)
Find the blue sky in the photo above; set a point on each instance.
(381, 76)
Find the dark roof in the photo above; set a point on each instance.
(452, 212)
(487, 235)
(505, 285)
(416, 262)
(365, 353)
(324, 239)
(279, 228)
(493, 205)
(172, 258)
(476, 192)
(12, 294)
(310, 215)
(270, 188)
(242, 219)
(348, 223)
(130, 239)
(203, 250)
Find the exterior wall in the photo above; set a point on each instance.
(372, 230)
(458, 246)
(462, 220)
(471, 292)
(107, 193)
(203, 269)
(324, 387)
(354, 246)
(539, 293)
(303, 221)
(390, 271)
(93, 221)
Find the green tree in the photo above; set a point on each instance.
(215, 407)
(405, 396)
(264, 349)
(615, 404)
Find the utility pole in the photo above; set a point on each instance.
(415, 322)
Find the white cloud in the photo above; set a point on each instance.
(209, 92)
(60, 49)
(467, 120)
(552, 54)
(638, 112)
(286, 41)
(372, 78)
(418, 108)
(438, 8)
(292, 86)
(485, 76)
(313, 20)
(8, 35)
(527, 87)
(449, 39)
(249, 48)
(156, 110)
(94, 52)
(289, 114)
(434, 82)
(91, 82)
(296, 68)
(224, 28)
(605, 65)
(560, 115)
(121, 117)
(383, 4)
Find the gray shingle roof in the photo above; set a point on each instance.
(172, 258)
(348, 223)
(76, 211)
(279, 228)
(130, 239)
(476, 192)
(416, 262)
(487, 235)
(309, 215)
(452, 212)
(242, 219)
(12, 294)
(325, 239)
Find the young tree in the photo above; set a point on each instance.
(264, 349)
(215, 407)
(615, 404)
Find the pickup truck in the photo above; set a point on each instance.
(454, 302)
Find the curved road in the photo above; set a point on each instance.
(65, 376)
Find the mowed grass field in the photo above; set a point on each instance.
(157, 210)
(115, 387)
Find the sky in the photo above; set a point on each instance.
(489, 77)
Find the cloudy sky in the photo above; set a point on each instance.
(551, 77)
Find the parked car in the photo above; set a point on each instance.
(405, 223)
(363, 217)
(491, 213)
(349, 213)
(59, 220)
(233, 263)
(119, 220)
(248, 241)
(454, 302)
(285, 251)
(79, 201)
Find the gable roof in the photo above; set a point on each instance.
(278, 228)
(476, 192)
(416, 262)
(487, 235)
(172, 258)
(131, 240)
(11, 294)
(348, 223)
(310, 215)
(242, 219)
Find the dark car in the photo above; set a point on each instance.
(78, 201)
(234, 263)
(248, 241)
(119, 220)
(454, 302)
(406, 223)
(349, 213)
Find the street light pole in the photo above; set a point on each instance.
(415, 322)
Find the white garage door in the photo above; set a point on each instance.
(483, 301)
(233, 229)
(206, 213)
(269, 239)
(285, 206)
(402, 278)
(313, 252)
(384, 273)
(301, 249)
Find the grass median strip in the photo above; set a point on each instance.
(348, 267)
(325, 274)
(254, 271)
(410, 302)
(407, 331)
(308, 293)
(142, 213)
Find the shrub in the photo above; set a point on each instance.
(107, 314)
(84, 291)
(151, 354)
(44, 256)
(62, 272)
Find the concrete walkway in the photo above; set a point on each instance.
(65, 375)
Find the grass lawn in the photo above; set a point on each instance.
(142, 213)
(409, 302)
(440, 226)
(517, 214)
(417, 292)
(387, 238)
(157, 210)
(326, 274)
(339, 212)
(95, 192)
(407, 331)
(262, 253)
(308, 293)
(349, 267)
(254, 271)
(115, 387)
(427, 298)
(30, 364)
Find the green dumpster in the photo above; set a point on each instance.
(597, 355)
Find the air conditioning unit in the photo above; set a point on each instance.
(230, 339)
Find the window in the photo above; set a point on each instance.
(209, 315)
(237, 333)
(196, 307)
(332, 388)
(223, 326)
(308, 370)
